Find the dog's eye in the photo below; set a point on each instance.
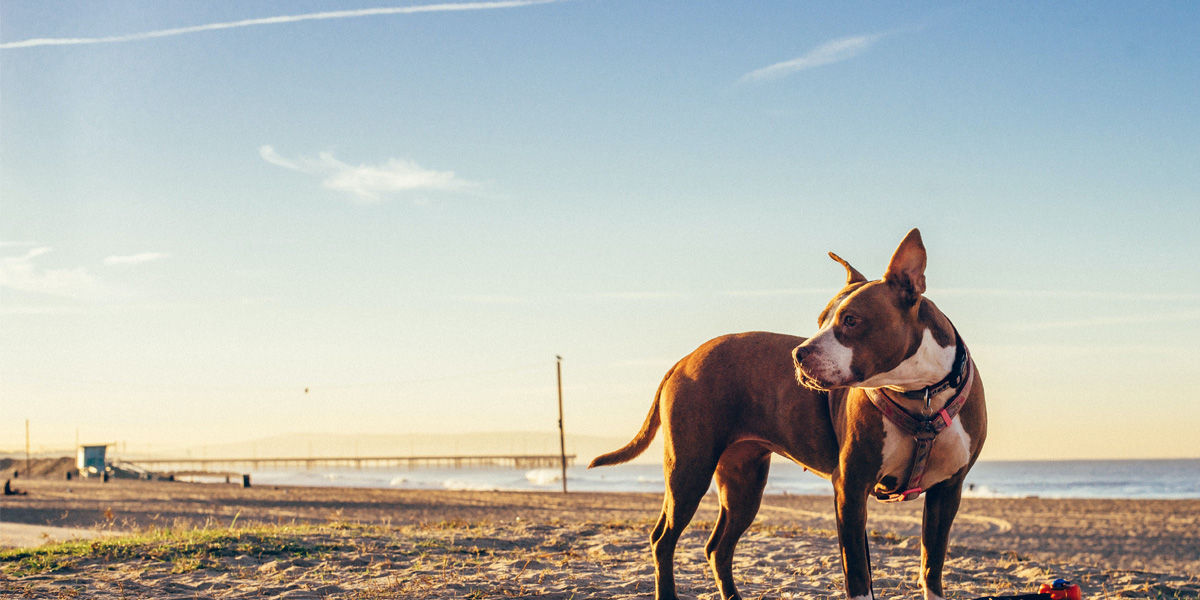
(849, 320)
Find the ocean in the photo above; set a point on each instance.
(1135, 479)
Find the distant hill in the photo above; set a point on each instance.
(38, 467)
(585, 447)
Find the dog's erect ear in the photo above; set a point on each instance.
(906, 271)
(852, 274)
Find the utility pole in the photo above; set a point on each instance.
(27, 474)
(562, 440)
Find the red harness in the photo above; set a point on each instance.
(925, 429)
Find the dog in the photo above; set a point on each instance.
(884, 400)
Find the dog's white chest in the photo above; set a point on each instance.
(951, 452)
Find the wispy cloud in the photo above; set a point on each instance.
(492, 299)
(830, 52)
(368, 182)
(135, 259)
(649, 296)
(783, 292)
(1065, 294)
(1038, 352)
(641, 295)
(20, 273)
(40, 310)
(336, 14)
(1112, 321)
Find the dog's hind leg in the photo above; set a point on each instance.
(741, 477)
(687, 482)
(685, 489)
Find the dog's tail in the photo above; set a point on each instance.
(640, 441)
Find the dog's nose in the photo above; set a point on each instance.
(798, 354)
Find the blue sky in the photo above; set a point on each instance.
(205, 209)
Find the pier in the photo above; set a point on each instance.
(241, 465)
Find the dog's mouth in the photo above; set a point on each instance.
(811, 382)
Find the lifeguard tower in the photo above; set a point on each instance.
(91, 460)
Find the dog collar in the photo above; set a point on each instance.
(924, 429)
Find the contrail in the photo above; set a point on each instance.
(337, 14)
(828, 53)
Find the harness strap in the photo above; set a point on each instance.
(923, 429)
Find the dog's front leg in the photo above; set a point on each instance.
(851, 499)
(941, 504)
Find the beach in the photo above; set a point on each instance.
(376, 543)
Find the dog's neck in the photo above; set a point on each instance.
(930, 364)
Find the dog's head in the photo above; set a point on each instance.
(871, 327)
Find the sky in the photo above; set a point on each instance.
(222, 221)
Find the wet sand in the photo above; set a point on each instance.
(443, 544)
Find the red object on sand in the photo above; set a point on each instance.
(1061, 590)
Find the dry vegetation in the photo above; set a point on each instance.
(490, 560)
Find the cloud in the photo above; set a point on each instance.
(1064, 294)
(492, 299)
(368, 182)
(1112, 321)
(135, 259)
(336, 14)
(20, 273)
(641, 295)
(40, 310)
(784, 292)
(828, 53)
(268, 154)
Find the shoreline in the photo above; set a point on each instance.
(1089, 479)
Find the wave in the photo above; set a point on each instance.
(543, 477)
(1178, 479)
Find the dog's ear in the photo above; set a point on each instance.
(852, 274)
(906, 271)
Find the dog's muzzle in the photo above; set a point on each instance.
(805, 378)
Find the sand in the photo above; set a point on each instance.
(442, 544)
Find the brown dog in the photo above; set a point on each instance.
(891, 406)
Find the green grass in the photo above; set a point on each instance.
(186, 549)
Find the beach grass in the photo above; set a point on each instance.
(186, 549)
